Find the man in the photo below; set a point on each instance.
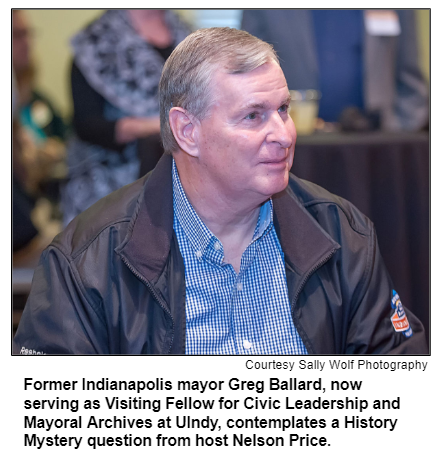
(218, 250)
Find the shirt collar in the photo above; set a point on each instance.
(265, 220)
(195, 229)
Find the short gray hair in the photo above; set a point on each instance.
(187, 74)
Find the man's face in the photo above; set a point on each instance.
(246, 144)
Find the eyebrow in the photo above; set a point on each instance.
(261, 106)
(286, 101)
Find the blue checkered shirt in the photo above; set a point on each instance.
(226, 312)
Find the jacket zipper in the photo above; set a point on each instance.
(309, 274)
(152, 291)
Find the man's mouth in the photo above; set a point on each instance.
(275, 161)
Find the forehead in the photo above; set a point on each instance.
(265, 84)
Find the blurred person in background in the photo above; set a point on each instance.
(43, 129)
(23, 203)
(32, 231)
(364, 63)
(38, 153)
(118, 60)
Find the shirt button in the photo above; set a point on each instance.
(239, 286)
(198, 253)
(247, 344)
(217, 246)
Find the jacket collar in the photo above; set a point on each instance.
(149, 238)
(303, 241)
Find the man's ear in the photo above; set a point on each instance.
(185, 128)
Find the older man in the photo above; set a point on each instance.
(219, 250)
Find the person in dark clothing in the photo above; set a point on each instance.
(117, 64)
(92, 127)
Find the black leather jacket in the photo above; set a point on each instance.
(113, 281)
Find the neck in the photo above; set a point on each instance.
(231, 219)
(139, 16)
(150, 25)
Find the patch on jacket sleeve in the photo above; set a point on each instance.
(398, 318)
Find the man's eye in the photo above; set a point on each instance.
(284, 108)
(251, 116)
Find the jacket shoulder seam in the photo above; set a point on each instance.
(77, 252)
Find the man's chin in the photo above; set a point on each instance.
(277, 185)
(283, 186)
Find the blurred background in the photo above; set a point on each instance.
(54, 28)
(360, 101)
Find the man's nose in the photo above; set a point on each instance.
(281, 130)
